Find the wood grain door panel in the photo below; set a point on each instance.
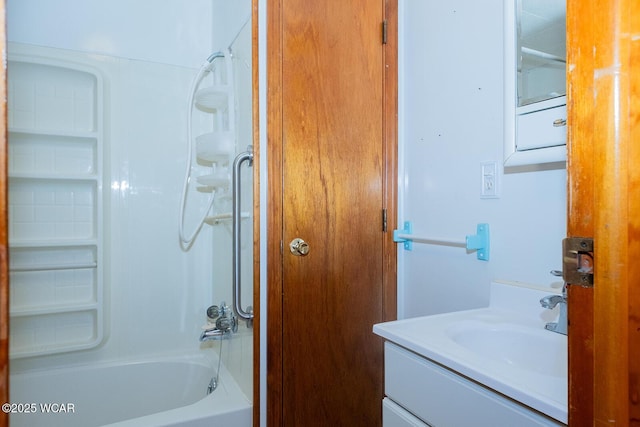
(603, 53)
(333, 155)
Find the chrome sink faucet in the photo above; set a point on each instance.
(550, 302)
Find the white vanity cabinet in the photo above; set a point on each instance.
(420, 392)
(394, 415)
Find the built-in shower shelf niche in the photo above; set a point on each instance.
(53, 332)
(52, 156)
(56, 126)
(52, 209)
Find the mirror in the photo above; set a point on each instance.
(541, 48)
(535, 78)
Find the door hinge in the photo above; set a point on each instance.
(577, 261)
(384, 32)
(384, 220)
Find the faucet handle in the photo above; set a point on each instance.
(550, 301)
(227, 324)
(213, 312)
(559, 273)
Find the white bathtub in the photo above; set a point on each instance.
(153, 393)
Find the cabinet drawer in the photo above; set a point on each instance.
(394, 415)
(542, 128)
(442, 398)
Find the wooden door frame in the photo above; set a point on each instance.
(255, 105)
(603, 54)
(275, 192)
(4, 240)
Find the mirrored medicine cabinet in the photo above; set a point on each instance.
(535, 82)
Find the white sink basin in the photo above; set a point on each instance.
(504, 346)
(517, 346)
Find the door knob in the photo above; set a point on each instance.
(299, 247)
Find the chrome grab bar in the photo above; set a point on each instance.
(237, 304)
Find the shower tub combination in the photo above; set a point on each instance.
(142, 393)
(158, 391)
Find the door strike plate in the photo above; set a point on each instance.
(577, 261)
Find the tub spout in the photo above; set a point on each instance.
(213, 334)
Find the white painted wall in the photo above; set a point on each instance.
(451, 120)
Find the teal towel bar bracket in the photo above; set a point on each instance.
(478, 242)
(404, 236)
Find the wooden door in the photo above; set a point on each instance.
(332, 169)
(603, 64)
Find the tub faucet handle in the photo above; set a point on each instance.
(213, 312)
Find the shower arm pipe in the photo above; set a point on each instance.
(246, 156)
(214, 56)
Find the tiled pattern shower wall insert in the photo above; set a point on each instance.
(55, 205)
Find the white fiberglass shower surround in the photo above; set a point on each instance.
(107, 308)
